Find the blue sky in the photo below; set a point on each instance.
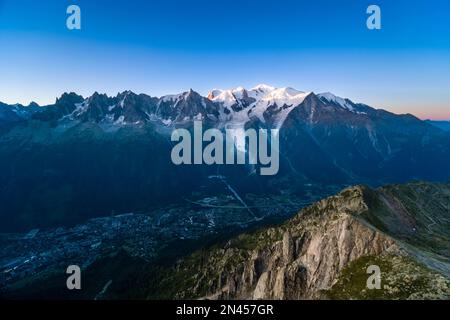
(166, 46)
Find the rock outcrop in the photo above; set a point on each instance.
(302, 258)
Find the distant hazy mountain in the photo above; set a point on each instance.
(84, 157)
(444, 125)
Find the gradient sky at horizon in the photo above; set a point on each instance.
(160, 47)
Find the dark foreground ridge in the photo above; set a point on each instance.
(321, 253)
(325, 250)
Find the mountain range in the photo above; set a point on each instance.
(84, 157)
(238, 106)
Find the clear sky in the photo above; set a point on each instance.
(166, 46)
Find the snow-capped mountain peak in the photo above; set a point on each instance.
(262, 92)
(263, 88)
(262, 101)
(344, 103)
(236, 107)
(282, 100)
(284, 96)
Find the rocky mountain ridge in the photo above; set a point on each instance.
(222, 107)
(311, 255)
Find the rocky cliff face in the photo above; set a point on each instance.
(307, 256)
